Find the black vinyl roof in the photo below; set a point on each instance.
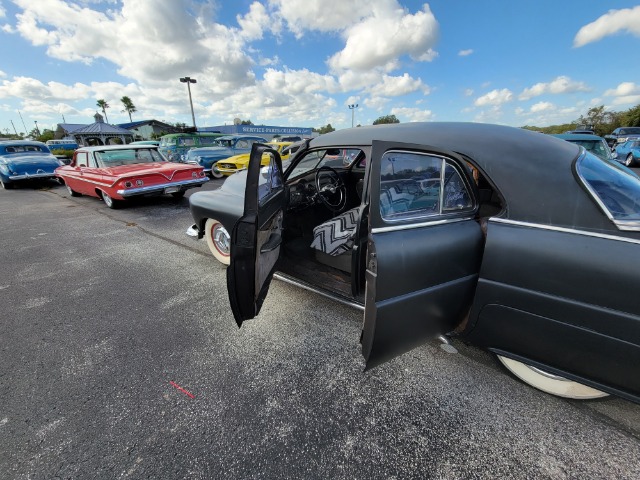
(532, 171)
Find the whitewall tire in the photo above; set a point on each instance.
(218, 240)
(547, 382)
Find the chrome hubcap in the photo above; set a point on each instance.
(221, 239)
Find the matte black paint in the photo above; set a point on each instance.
(563, 301)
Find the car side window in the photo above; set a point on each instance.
(614, 187)
(91, 162)
(81, 159)
(242, 144)
(417, 185)
(456, 195)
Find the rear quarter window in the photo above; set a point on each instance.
(615, 188)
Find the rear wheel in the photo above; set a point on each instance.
(178, 194)
(550, 383)
(218, 240)
(110, 202)
(72, 192)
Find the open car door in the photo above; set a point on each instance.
(424, 248)
(256, 237)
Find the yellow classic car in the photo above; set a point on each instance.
(240, 162)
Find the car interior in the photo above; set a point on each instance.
(325, 192)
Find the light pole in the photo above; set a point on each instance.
(353, 107)
(189, 81)
(37, 129)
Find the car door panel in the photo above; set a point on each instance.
(541, 309)
(421, 273)
(256, 237)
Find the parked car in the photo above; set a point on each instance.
(226, 146)
(592, 143)
(115, 173)
(581, 131)
(628, 153)
(287, 138)
(68, 145)
(529, 246)
(174, 146)
(146, 142)
(22, 160)
(235, 163)
(621, 135)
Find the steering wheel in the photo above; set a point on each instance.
(331, 189)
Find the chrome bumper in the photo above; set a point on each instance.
(27, 176)
(131, 192)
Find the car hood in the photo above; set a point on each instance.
(27, 163)
(164, 168)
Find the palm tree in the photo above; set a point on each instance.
(129, 107)
(103, 105)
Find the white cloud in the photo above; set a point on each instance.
(612, 22)
(396, 86)
(298, 82)
(555, 116)
(623, 89)
(405, 114)
(3, 12)
(350, 80)
(542, 107)
(324, 15)
(254, 23)
(495, 97)
(465, 53)
(2, 74)
(190, 42)
(558, 85)
(626, 93)
(468, 92)
(391, 32)
(492, 115)
(377, 103)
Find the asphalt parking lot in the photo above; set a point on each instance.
(119, 358)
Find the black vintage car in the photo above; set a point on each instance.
(517, 242)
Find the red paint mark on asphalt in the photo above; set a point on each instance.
(189, 394)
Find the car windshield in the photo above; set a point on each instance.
(332, 157)
(116, 158)
(208, 141)
(24, 148)
(224, 142)
(597, 147)
(630, 131)
(614, 187)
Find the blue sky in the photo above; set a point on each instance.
(302, 62)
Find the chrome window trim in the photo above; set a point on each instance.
(625, 225)
(397, 228)
(563, 230)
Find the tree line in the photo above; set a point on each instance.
(602, 122)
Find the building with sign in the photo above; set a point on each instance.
(265, 131)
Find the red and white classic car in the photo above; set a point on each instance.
(114, 173)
